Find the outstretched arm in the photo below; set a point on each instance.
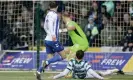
(65, 72)
(62, 74)
(67, 29)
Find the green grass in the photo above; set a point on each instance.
(30, 76)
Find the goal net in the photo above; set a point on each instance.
(113, 31)
(17, 24)
(16, 33)
(17, 20)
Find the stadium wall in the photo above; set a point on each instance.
(26, 60)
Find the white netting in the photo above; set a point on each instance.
(17, 24)
(17, 32)
(17, 21)
(113, 31)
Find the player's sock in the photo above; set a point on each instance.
(40, 69)
(54, 59)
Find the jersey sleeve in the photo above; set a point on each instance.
(70, 24)
(69, 65)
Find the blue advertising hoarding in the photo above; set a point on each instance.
(99, 61)
(104, 61)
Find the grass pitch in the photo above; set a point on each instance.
(9, 75)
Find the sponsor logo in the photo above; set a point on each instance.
(21, 60)
(8, 59)
(112, 62)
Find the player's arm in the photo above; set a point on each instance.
(62, 74)
(65, 72)
(70, 27)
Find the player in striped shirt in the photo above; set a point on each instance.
(81, 69)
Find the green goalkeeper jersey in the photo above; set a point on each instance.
(79, 69)
(77, 35)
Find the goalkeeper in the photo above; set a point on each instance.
(81, 69)
(77, 36)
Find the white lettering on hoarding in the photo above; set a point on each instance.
(21, 60)
(112, 62)
(120, 62)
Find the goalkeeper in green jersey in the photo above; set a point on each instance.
(81, 69)
(77, 36)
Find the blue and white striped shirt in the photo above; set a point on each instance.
(51, 25)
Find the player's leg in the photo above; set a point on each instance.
(49, 52)
(57, 47)
(60, 49)
(89, 76)
(92, 74)
(73, 49)
(53, 47)
(108, 72)
(49, 56)
(43, 65)
(67, 50)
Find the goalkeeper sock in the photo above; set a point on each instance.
(54, 59)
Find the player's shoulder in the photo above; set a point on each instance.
(72, 60)
(84, 61)
(71, 22)
(52, 14)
